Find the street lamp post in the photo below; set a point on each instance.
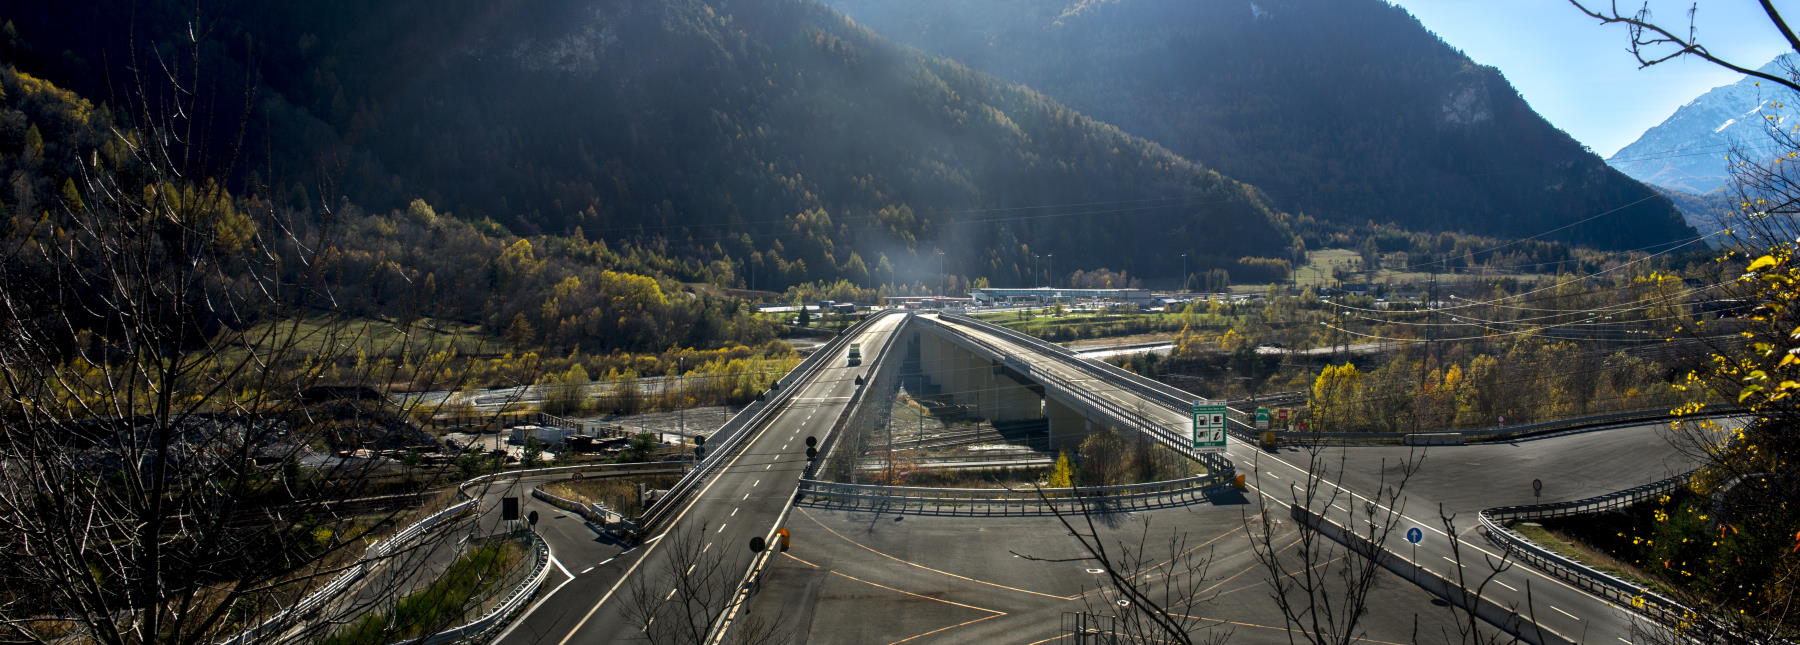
(1050, 258)
(1184, 273)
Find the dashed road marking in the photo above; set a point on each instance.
(1560, 611)
(721, 529)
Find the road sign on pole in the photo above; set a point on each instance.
(1262, 418)
(1414, 535)
(1209, 427)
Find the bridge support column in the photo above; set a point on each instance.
(933, 359)
(1013, 401)
(1068, 427)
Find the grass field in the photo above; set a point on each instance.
(1317, 272)
(378, 338)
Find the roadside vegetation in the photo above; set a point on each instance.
(618, 494)
(473, 578)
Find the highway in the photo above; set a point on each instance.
(1474, 477)
(595, 602)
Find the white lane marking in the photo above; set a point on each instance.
(1498, 582)
(1560, 611)
(1447, 559)
(1626, 642)
(721, 529)
(768, 466)
(658, 537)
(533, 608)
(746, 496)
(704, 548)
(559, 565)
(603, 562)
(733, 513)
(690, 570)
(671, 595)
(754, 483)
(587, 569)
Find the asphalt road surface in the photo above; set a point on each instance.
(597, 602)
(1463, 478)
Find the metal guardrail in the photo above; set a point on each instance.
(515, 599)
(738, 428)
(1587, 578)
(989, 501)
(1502, 433)
(338, 584)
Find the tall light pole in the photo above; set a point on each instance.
(1184, 273)
(1034, 270)
(1050, 258)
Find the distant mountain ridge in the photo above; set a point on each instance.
(774, 134)
(1344, 110)
(1687, 151)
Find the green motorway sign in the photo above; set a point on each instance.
(1209, 427)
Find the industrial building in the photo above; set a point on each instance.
(1039, 295)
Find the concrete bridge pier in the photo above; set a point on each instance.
(1013, 401)
(1068, 426)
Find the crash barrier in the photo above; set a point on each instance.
(274, 626)
(595, 513)
(1502, 433)
(1494, 613)
(732, 434)
(998, 501)
(1600, 583)
(515, 599)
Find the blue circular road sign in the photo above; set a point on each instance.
(1413, 535)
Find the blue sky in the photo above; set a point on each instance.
(1579, 75)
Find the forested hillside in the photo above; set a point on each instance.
(766, 142)
(1345, 110)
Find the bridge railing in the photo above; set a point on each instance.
(1000, 501)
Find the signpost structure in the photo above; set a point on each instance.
(1262, 418)
(1414, 535)
(1209, 427)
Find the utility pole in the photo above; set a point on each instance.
(681, 391)
(1184, 273)
(1050, 258)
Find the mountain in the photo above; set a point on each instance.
(1687, 151)
(1345, 110)
(774, 138)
